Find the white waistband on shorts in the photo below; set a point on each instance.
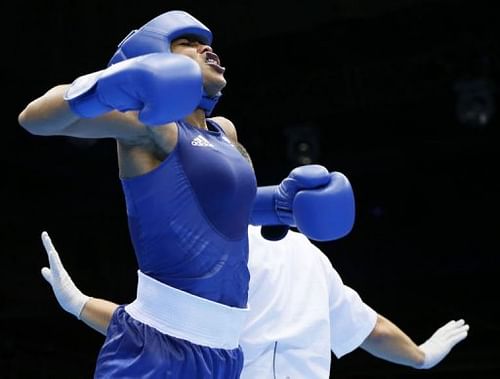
(183, 315)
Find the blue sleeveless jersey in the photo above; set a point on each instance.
(188, 218)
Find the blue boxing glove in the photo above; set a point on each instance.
(326, 213)
(163, 87)
(320, 204)
(274, 204)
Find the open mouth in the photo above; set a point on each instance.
(213, 60)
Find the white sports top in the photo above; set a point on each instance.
(300, 311)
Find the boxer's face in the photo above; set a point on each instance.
(213, 72)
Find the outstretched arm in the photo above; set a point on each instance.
(96, 313)
(388, 342)
(158, 88)
(50, 114)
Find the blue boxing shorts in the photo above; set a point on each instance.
(159, 337)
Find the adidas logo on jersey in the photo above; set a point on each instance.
(201, 141)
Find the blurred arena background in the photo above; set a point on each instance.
(399, 95)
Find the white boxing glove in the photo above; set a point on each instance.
(70, 298)
(442, 341)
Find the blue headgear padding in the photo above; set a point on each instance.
(157, 35)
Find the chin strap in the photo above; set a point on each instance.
(208, 103)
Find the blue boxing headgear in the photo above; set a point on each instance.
(157, 35)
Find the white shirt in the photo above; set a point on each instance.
(300, 311)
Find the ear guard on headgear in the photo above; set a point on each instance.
(157, 35)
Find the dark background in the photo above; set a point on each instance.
(401, 96)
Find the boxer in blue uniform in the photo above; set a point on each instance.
(189, 194)
(188, 220)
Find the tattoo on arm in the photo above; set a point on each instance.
(244, 152)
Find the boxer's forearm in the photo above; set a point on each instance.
(49, 114)
(97, 314)
(390, 343)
